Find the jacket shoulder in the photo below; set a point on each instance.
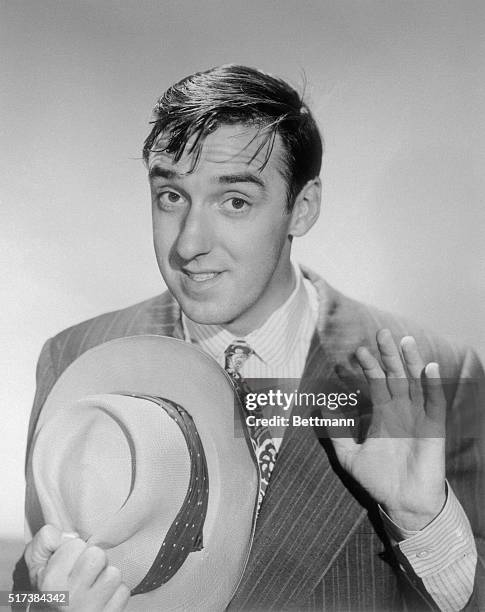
(347, 323)
(157, 315)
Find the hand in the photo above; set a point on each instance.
(93, 585)
(402, 461)
(40, 549)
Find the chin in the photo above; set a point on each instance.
(206, 315)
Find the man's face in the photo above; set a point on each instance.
(221, 231)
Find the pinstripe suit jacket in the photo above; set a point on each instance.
(319, 542)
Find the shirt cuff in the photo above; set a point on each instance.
(443, 542)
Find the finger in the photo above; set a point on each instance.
(414, 365)
(412, 357)
(369, 364)
(40, 549)
(396, 377)
(435, 400)
(61, 563)
(119, 599)
(88, 566)
(69, 535)
(389, 354)
(108, 581)
(374, 375)
(45, 542)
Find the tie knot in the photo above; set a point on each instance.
(237, 354)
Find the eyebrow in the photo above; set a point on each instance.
(156, 171)
(245, 177)
(225, 179)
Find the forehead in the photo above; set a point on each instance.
(236, 147)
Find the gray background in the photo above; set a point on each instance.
(397, 88)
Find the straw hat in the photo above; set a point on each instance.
(135, 449)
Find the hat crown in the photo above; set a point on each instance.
(97, 477)
(120, 463)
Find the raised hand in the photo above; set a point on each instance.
(60, 563)
(402, 461)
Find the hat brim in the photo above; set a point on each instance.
(171, 368)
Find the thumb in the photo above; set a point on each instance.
(345, 449)
(48, 540)
(45, 542)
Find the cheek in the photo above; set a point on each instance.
(259, 249)
(162, 248)
(269, 236)
(164, 236)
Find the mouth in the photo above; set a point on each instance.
(201, 277)
(196, 282)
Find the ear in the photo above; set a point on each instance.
(306, 209)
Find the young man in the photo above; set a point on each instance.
(233, 159)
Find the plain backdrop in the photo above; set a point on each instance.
(397, 88)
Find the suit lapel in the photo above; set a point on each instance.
(310, 509)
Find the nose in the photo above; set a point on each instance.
(194, 237)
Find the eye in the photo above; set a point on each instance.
(169, 199)
(236, 205)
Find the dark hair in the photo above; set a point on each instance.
(199, 103)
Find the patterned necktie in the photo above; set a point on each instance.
(236, 355)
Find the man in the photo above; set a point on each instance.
(233, 161)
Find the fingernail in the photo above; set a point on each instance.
(39, 575)
(70, 535)
(432, 370)
(407, 339)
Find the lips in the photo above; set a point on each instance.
(200, 277)
(200, 280)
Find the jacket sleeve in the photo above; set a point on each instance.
(46, 376)
(45, 379)
(442, 555)
(465, 460)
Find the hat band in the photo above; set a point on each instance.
(185, 535)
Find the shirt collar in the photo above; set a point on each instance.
(273, 342)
